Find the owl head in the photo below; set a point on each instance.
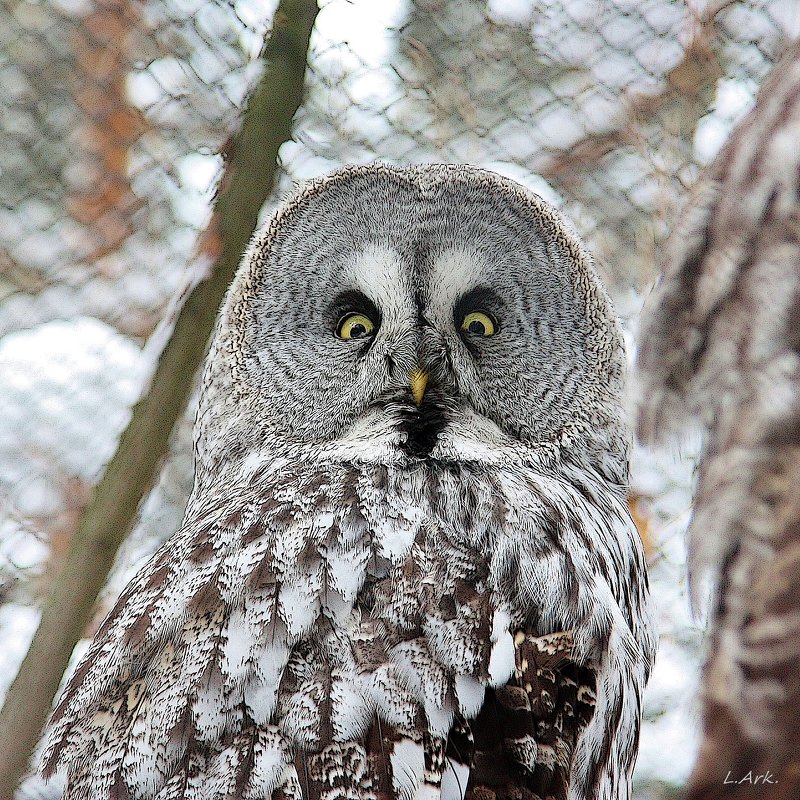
(434, 312)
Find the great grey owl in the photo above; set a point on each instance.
(407, 568)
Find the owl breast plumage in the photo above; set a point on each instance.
(406, 569)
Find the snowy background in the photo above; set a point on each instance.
(111, 119)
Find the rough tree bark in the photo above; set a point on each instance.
(247, 181)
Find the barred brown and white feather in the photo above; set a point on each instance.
(527, 730)
(368, 580)
(721, 341)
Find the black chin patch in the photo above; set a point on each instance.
(423, 425)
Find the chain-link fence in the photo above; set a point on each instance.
(115, 117)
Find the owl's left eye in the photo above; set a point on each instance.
(355, 326)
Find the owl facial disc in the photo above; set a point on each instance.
(368, 278)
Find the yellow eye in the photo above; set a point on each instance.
(354, 326)
(478, 324)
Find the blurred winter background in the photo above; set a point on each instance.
(112, 115)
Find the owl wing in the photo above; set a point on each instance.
(192, 651)
(720, 341)
(318, 639)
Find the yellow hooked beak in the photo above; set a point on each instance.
(418, 380)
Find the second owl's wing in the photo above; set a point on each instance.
(720, 343)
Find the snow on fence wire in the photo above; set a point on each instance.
(113, 118)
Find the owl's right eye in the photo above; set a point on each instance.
(355, 326)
